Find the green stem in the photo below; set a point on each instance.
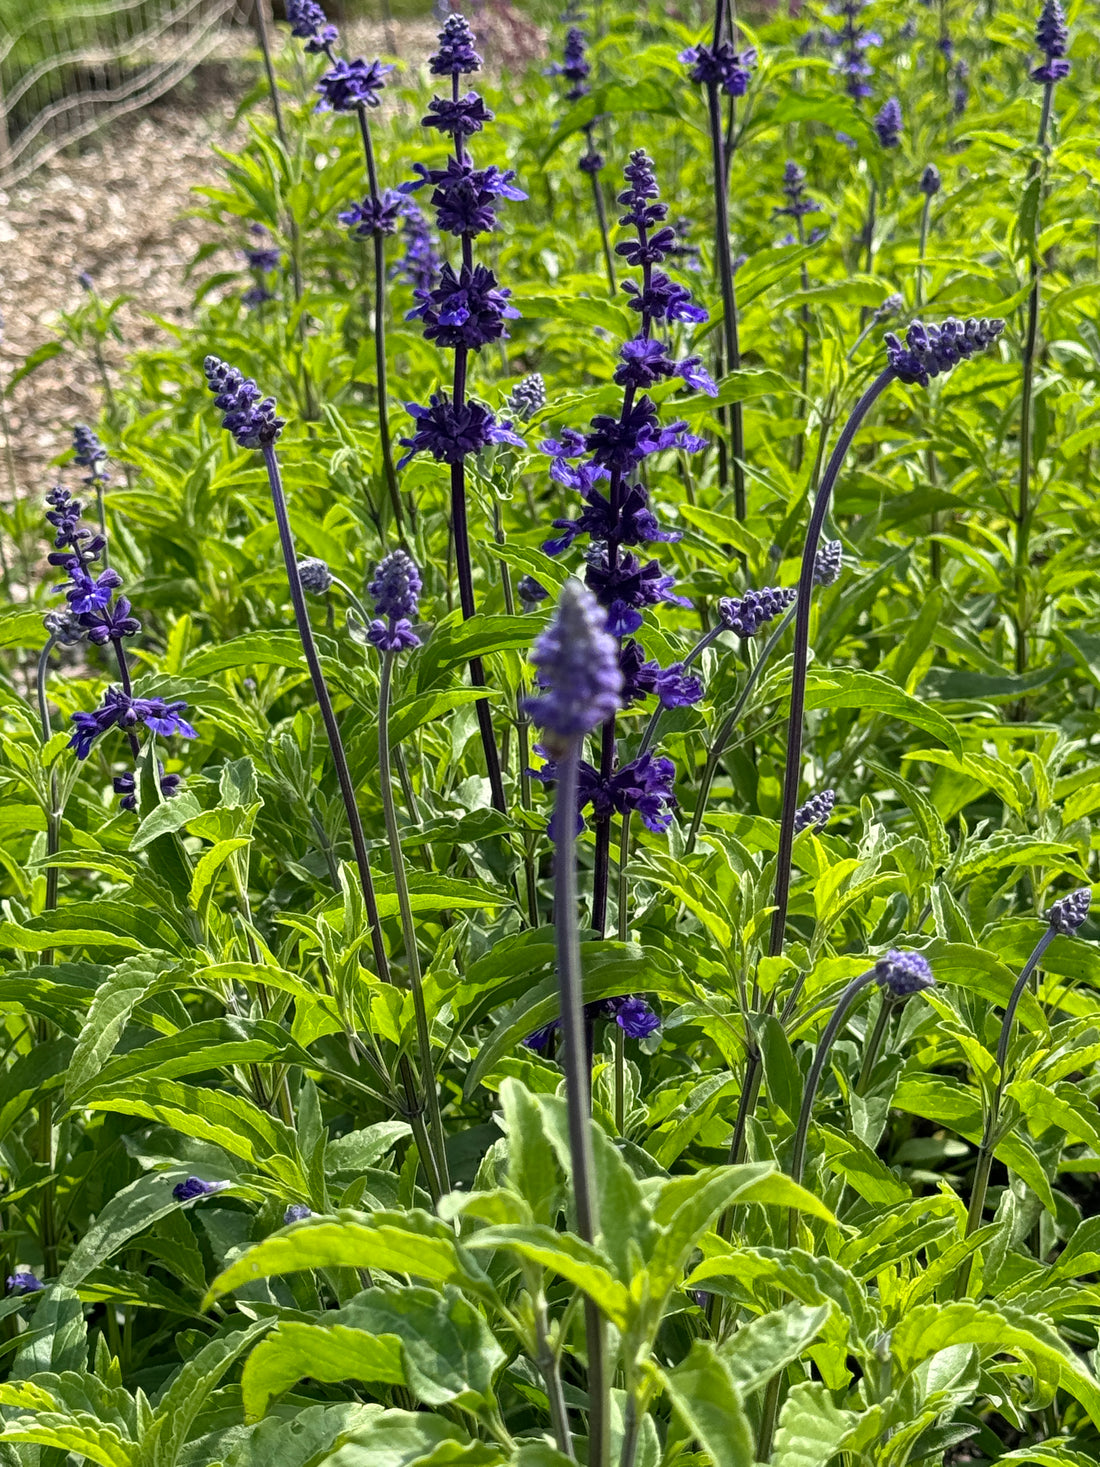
(874, 1044)
(428, 1081)
(730, 335)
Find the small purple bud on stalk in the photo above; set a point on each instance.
(23, 1282)
(1052, 38)
(828, 563)
(578, 666)
(314, 574)
(888, 123)
(195, 1187)
(396, 591)
(930, 181)
(1069, 912)
(296, 1212)
(815, 813)
(527, 397)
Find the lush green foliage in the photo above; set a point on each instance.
(194, 993)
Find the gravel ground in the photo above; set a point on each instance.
(115, 209)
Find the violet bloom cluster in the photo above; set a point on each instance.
(888, 123)
(466, 308)
(815, 813)
(577, 666)
(263, 259)
(931, 350)
(96, 613)
(1052, 38)
(632, 1014)
(904, 973)
(419, 265)
(575, 69)
(853, 40)
(396, 591)
(746, 614)
(645, 785)
(90, 454)
(246, 414)
(721, 67)
(309, 23)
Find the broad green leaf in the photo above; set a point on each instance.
(188, 1392)
(328, 1353)
(811, 1429)
(108, 1016)
(316, 1428)
(704, 1396)
(568, 1256)
(770, 1342)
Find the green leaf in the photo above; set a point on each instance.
(268, 649)
(108, 1016)
(532, 1166)
(771, 1342)
(568, 1256)
(455, 641)
(704, 1396)
(874, 693)
(413, 1439)
(165, 819)
(811, 1428)
(129, 1212)
(407, 1242)
(188, 1392)
(315, 1428)
(327, 1353)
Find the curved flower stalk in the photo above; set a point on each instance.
(464, 312)
(253, 423)
(1065, 918)
(611, 451)
(575, 69)
(1052, 39)
(721, 70)
(827, 568)
(578, 671)
(396, 591)
(355, 86)
(928, 352)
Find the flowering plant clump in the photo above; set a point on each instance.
(558, 927)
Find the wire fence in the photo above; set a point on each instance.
(69, 66)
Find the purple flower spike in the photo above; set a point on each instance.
(456, 55)
(196, 1187)
(930, 181)
(721, 66)
(828, 563)
(89, 453)
(310, 24)
(578, 668)
(1052, 38)
(574, 67)
(930, 350)
(250, 418)
(904, 973)
(458, 117)
(352, 84)
(1069, 912)
(815, 813)
(396, 592)
(888, 123)
(467, 310)
(374, 216)
(746, 614)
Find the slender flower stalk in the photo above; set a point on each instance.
(1065, 918)
(900, 974)
(722, 70)
(928, 352)
(1052, 39)
(396, 588)
(930, 184)
(465, 312)
(253, 424)
(578, 666)
(575, 69)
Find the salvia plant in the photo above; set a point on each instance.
(548, 755)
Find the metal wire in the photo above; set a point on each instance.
(67, 69)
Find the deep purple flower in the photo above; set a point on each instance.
(721, 66)
(463, 195)
(449, 434)
(673, 686)
(467, 310)
(396, 591)
(250, 419)
(459, 117)
(419, 265)
(635, 1018)
(853, 40)
(310, 24)
(87, 595)
(196, 1187)
(644, 785)
(264, 260)
(111, 624)
(456, 55)
(591, 162)
(746, 614)
(1052, 38)
(352, 84)
(618, 443)
(633, 524)
(296, 1212)
(888, 123)
(904, 973)
(23, 1282)
(1069, 912)
(578, 668)
(121, 710)
(627, 588)
(664, 300)
(815, 812)
(374, 216)
(930, 350)
(90, 454)
(126, 785)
